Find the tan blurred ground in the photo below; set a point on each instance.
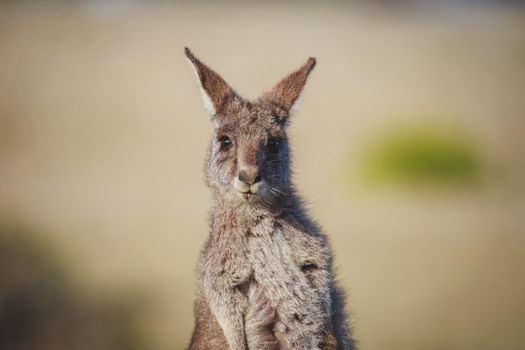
(103, 138)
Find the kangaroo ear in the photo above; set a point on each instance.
(286, 94)
(215, 91)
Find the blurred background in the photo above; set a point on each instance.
(409, 149)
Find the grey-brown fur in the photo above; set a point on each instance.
(265, 273)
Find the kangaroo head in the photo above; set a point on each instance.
(248, 160)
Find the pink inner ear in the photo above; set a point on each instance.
(286, 93)
(217, 91)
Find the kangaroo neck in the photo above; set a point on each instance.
(245, 214)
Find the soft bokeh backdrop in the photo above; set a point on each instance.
(409, 149)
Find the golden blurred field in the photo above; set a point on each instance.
(103, 139)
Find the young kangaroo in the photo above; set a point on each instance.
(265, 273)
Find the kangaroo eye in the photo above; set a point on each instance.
(273, 145)
(225, 142)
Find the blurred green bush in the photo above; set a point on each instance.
(421, 155)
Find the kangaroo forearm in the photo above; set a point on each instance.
(227, 305)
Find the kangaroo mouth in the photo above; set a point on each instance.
(249, 192)
(248, 195)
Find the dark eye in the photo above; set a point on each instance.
(225, 142)
(273, 145)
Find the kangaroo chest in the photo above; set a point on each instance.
(272, 255)
(269, 253)
(277, 266)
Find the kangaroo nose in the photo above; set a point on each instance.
(249, 176)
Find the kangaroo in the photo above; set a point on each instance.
(265, 277)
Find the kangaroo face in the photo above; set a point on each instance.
(249, 157)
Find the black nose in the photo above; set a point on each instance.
(249, 176)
